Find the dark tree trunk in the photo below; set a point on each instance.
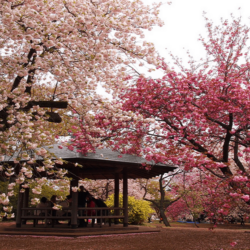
(164, 218)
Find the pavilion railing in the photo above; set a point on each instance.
(50, 215)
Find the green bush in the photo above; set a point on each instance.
(138, 210)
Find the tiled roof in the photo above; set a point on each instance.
(100, 154)
(103, 164)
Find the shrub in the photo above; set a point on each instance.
(138, 210)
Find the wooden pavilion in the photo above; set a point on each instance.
(103, 164)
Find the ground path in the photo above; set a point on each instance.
(174, 238)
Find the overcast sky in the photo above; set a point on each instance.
(184, 22)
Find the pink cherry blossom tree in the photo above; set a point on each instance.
(195, 117)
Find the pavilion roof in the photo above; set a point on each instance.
(104, 163)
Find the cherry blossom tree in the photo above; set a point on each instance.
(53, 54)
(197, 117)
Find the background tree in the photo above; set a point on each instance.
(104, 188)
(203, 196)
(161, 195)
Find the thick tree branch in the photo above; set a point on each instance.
(236, 158)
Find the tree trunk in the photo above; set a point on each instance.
(164, 218)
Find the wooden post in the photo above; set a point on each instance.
(25, 203)
(19, 208)
(125, 196)
(74, 211)
(116, 200)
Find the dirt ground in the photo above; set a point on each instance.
(178, 237)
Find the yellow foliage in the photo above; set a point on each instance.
(138, 210)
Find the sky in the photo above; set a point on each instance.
(184, 23)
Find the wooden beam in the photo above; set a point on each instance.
(116, 200)
(25, 203)
(125, 196)
(48, 104)
(19, 208)
(74, 183)
(53, 117)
